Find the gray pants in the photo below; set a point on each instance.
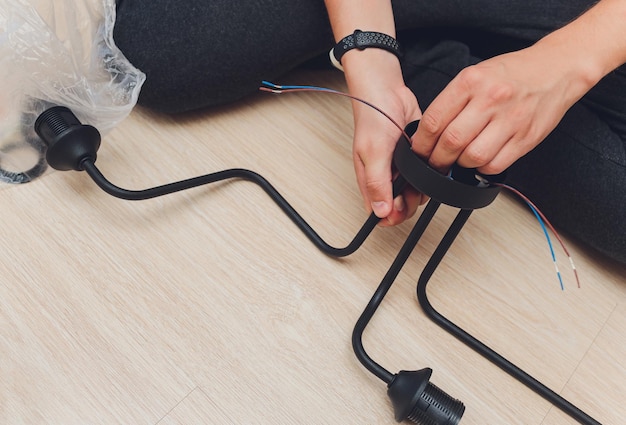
(204, 53)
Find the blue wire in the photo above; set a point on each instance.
(277, 87)
(545, 232)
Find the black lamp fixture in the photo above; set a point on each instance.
(72, 145)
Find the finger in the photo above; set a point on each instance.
(459, 134)
(510, 152)
(436, 118)
(359, 170)
(486, 145)
(376, 183)
(413, 200)
(405, 206)
(398, 213)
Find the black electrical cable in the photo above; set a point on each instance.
(422, 178)
(497, 359)
(383, 288)
(89, 166)
(72, 145)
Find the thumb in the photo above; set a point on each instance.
(377, 185)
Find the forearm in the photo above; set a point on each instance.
(363, 68)
(367, 15)
(592, 45)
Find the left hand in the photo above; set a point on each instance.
(375, 76)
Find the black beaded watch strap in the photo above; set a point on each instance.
(362, 40)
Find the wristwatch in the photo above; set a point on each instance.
(362, 40)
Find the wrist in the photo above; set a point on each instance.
(571, 64)
(361, 40)
(365, 69)
(592, 45)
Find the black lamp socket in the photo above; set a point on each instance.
(69, 141)
(416, 399)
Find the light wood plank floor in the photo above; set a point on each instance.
(210, 307)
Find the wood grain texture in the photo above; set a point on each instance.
(209, 306)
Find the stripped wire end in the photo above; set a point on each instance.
(275, 91)
(571, 260)
(558, 274)
(266, 86)
(543, 221)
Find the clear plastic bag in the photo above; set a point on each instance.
(58, 52)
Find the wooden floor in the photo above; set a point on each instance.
(211, 307)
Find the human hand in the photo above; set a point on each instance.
(495, 112)
(375, 76)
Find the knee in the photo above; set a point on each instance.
(184, 70)
(215, 52)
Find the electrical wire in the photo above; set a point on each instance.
(478, 346)
(547, 235)
(89, 166)
(388, 280)
(279, 89)
(270, 87)
(543, 219)
(491, 355)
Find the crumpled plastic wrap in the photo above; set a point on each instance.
(58, 52)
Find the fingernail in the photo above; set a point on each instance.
(398, 204)
(379, 208)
